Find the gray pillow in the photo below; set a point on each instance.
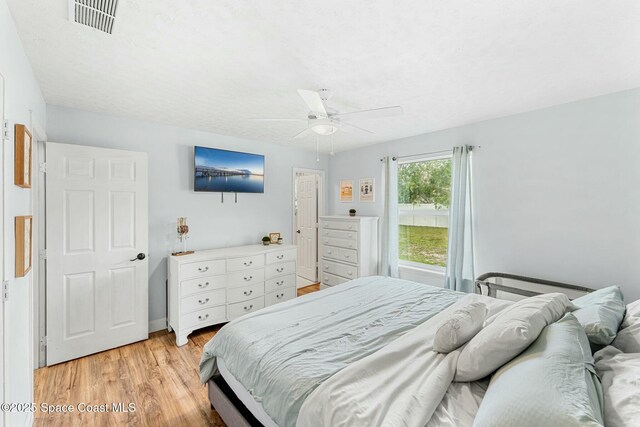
(619, 373)
(552, 383)
(512, 330)
(600, 314)
(460, 327)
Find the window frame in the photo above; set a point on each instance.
(414, 264)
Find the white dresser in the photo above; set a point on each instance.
(348, 248)
(218, 285)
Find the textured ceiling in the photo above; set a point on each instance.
(213, 65)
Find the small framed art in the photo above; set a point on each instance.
(273, 237)
(24, 240)
(367, 190)
(22, 162)
(346, 190)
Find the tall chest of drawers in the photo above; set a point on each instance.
(218, 285)
(348, 248)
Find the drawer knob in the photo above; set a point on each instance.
(280, 256)
(329, 252)
(248, 293)
(280, 270)
(203, 285)
(350, 274)
(206, 300)
(202, 270)
(346, 256)
(205, 317)
(350, 227)
(248, 263)
(248, 278)
(281, 282)
(248, 308)
(326, 267)
(279, 296)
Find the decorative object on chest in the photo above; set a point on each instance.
(183, 231)
(348, 248)
(219, 285)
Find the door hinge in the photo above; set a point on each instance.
(43, 167)
(43, 254)
(5, 130)
(5, 291)
(43, 342)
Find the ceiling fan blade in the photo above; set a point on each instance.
(313, 101)
(278, 120)
(370, 114)
(353, 129)
(304, 133)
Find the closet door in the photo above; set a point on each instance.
(97, 241)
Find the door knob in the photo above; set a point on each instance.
(298, 231)
(139, 257)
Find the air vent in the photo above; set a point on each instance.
(98, 14)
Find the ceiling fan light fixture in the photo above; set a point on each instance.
(324, 129)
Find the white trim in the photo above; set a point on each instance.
(421, 266)
(3, 270)
(38, 278)
(157, 325)
(424, 157)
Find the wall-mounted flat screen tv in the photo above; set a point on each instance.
(228, 171)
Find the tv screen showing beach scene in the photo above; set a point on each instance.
(228, 171)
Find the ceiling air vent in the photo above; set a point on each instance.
(98, 14)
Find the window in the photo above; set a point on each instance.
(424, 191)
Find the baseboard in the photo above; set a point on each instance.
(157, 325)
(29, 421)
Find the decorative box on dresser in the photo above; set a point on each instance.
(348, 248)
(218, 285)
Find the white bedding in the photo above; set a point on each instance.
(405, 383)
(245, 397)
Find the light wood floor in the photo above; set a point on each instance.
(155, 375)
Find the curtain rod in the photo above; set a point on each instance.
(429, 153)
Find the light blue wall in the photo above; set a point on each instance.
(556, 190)
(170, 150)
(23, 101)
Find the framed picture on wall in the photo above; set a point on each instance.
(346, 190)
(367, 190)
(24, 239)
(22, 162)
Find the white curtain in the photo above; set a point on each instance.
(389, 235)
(460, 274)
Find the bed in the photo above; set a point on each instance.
(261, 369)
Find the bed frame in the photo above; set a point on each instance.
(235, 414)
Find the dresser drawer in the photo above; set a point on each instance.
(339, 234)
(281, 256)
(347, 271)
(283, 269)
(280, 283)
(339, 225)
(203, 268)
(279, 296)
(243, 293)
(241, 278)
(210, 316)
(193, 286)
(340, 243)
(241, 308)
(203, 300)
(331, 280)
(245, 263)
(346, 255)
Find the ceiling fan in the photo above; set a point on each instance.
(324, 120)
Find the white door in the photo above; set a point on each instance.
(2, 246)
(97, 241)
(307, 219)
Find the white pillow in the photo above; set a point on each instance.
(512, 331)
(632, 316)
(628, 339)
(460, 327)
(619, 373)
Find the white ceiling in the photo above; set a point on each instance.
(213, 65)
